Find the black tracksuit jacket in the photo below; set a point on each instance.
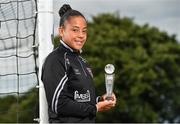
(69, 87)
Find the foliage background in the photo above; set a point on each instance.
(147, 62)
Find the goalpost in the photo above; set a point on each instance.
(45, 33)
(20, 60)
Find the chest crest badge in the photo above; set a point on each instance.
(77, 71)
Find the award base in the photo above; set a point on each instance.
(109, 98)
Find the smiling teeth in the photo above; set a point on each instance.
(78, 42)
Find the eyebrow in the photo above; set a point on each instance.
(78, 27)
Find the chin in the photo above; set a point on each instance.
(78, 48)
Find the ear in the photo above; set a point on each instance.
(61, 31)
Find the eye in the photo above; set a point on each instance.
(84, 31)
(75, 30)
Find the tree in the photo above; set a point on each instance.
(23, 110)
(147, 63)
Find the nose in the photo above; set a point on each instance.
(81, 34)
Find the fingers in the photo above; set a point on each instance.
(108, 103)
(104, 96)
(104, 105)
(112, 103)
(113, 100)
(114, 97)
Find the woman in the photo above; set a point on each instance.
(67, 77)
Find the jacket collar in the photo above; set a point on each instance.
(69, 48)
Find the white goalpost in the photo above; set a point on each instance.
(20, 59)
(45, 34)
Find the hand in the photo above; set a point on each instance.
(106, 104)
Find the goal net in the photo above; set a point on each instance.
(18, 61)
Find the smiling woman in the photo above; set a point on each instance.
(67, 77)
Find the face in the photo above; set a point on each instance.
(74, 32)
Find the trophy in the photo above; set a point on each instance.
(109, 80)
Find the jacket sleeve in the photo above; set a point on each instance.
(99, 99)
(55, 78)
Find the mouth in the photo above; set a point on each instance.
(80, 43)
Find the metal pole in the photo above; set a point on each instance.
(45, 33)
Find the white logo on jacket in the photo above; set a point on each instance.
(82, 97)
(76, 71)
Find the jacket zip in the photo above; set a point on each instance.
(82, 67)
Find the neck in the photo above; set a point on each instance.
(68, 47)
